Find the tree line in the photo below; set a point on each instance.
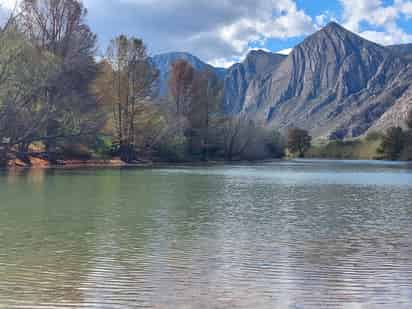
(57, 101)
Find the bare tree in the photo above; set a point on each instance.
(238, 134)
(204, 108)
(181, 85)
(132, 80)
(409, 120)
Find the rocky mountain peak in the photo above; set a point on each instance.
(327, 83)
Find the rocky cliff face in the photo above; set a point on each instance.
(238, 78)
(334, 83)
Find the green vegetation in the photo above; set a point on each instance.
(394, 144)
(397, 143)
(299, 142)
(365, 149)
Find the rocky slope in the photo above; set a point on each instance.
(335, 83)
(238, 78)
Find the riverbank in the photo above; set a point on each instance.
(38, 163)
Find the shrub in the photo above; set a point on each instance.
(392, 144)
(299, 141)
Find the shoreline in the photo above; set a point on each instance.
(41, 164)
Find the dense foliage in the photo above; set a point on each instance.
(397, 142)
(299, 142)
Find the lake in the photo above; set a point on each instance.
(287, 234)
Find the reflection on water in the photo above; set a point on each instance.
(305, 234)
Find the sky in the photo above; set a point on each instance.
(222, 32)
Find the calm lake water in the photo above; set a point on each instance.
(304, 234)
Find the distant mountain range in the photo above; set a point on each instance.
(334, 83)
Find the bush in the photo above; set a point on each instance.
(103, 147)
(406, 154)
(350, 150)
(392, 144)
(172, 149)
(299, 141)
(75, 151)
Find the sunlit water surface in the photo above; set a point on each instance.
(304, 234)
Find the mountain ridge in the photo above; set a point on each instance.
(334, 84)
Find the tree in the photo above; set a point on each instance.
(181, 85)
(392, 143)
(238, 135)
(407, 150)
(197, 97)
(203, 109)
(274, 143)
(299, 141)
(58, 27)
(25, 72)
(131, 81)
(409, 120)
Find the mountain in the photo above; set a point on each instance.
(334, 83)
(238, 78)
(403, 50)
(163, 63)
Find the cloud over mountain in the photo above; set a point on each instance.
(213, 29)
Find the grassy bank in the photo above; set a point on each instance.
(362, 149)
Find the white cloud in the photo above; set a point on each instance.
(383, 19)
(228, 62)
(6, 7)
(222, 31)
(286, 51)
(9, 4)
(219, 31)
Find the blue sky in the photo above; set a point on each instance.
(223, 31)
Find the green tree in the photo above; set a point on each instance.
(409, 120)
(392, 144)
(407, 150)
(299, 141)
(25, 73)
(58, 27)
